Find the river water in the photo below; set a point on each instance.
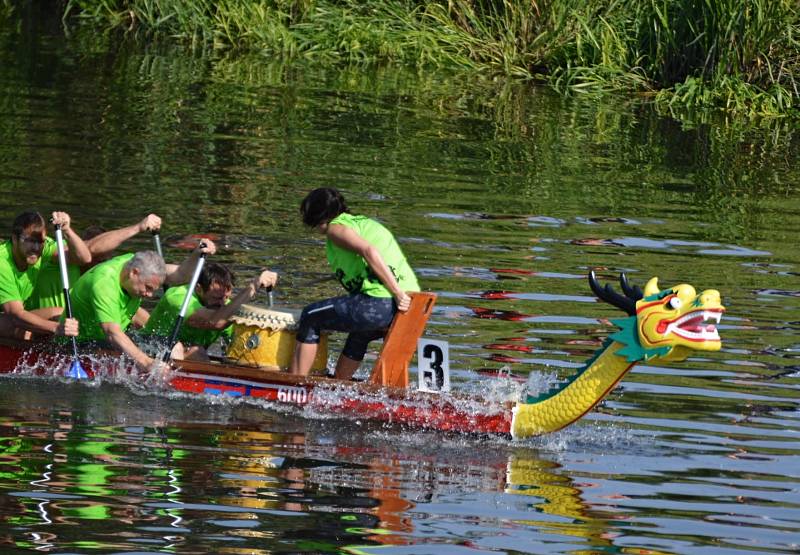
(503, 198)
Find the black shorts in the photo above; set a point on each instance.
(366, 318)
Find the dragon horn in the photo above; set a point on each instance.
(610, 296)
(631, 292)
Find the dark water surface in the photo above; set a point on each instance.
(503, 198)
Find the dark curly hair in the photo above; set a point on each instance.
(27, 220)
(216, 273)
(322, 205)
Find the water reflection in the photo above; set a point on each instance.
(182, 482)
(79, 469)
(184, 477)
(560, 499)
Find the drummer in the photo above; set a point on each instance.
(210, 308)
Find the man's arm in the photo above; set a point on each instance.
(35, 323)
(78, 253)
(121, 341)
(177, 275)
(105, 243)
(218, 319)
(140, 319)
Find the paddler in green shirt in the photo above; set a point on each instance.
(22, 260)
(108, 297)
(208, 315)
(49, 292)
(370, 265)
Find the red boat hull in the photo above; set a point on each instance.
(316, 394)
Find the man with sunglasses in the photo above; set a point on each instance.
(21, 262)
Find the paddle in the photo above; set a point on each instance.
(75, 369)
(173, 338)
(157, 241)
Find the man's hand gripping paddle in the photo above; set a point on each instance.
(75, 371)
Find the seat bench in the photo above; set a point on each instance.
(391, 368)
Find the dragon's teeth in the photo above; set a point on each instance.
(712, 316)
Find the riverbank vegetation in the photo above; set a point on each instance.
(738, 55)
(147, 104)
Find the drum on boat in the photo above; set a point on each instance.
(265, 337)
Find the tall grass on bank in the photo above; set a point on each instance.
(740, 55)
(6, 11)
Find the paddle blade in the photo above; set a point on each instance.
(76, 371)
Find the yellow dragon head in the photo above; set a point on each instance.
(665, 323)
(679, 318)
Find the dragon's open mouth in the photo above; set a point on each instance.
(699, 325)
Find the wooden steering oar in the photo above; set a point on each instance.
(75, 369)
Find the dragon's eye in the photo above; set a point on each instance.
(675, 303)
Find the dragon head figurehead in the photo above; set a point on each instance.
(679, 318)
(664, 323)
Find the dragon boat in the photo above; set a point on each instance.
(660, 324)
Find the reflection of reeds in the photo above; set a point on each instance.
(210, 111)
(736, 54)
(258, 123)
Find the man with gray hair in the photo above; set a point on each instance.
(107, 298)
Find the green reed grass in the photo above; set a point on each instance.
(739, 55)
(6, 10)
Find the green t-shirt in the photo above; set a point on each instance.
(353, 271)
(16, 285)
(49, 290)
(98, 298)
(164, 315)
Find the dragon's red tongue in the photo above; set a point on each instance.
(694, 324)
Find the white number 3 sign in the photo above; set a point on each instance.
(433, 361)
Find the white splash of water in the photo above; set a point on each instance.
(540, 382)
(502, 389)
(379, 404)
(105, 368)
